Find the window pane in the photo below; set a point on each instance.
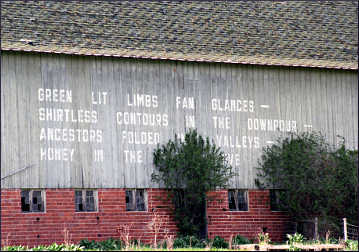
(238, 200)
(282, 200)
(136, 200)
(25, 201)
(78, 197)
(129, 201)
(179, 197)
(90, 201)
(231, 202)
(37, 205)
(78, 201)
(242, 200)
(140, 200)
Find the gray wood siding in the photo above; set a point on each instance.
(310, 99)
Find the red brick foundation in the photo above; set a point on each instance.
(45, 228)
(225, 223)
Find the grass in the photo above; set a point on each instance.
(44, 248)
(181, 249)
(351, 245)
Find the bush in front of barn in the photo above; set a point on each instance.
(189, 169)
(318, 179)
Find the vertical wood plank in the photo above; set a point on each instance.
(326, 99)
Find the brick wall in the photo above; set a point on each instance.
(48, 227)
(249, 223)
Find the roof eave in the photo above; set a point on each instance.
(192, 57)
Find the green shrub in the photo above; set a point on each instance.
(53, 247)
(15, 248)
(179, 243)
(109, 244)
(296, 238)
(238, 240)
(351, 245)
(73, 247)
(138, 243)
(219, 242)
(189, 169)
(293, 239)
(318, 179)
(188, 241)
(89, 244)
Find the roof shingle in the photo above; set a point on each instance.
(315, 33)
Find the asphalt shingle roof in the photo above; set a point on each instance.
(294, 33)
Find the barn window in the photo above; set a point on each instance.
(86, 200)
(278, 200)
(238, 200)
(32, 201)
(136, 200)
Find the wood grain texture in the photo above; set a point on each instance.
(310, 99)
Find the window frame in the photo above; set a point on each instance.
(31, 206)
(134, 202)
(236, 191)
(84, 201)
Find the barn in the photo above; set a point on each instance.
(89, 89)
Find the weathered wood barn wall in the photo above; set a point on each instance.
(88, 90)
(119, 110)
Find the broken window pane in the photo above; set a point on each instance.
(31, 201)
(25, 201)
(78, 201)
(129, 201)
(85, 201)
(179, 197)
(242, 200)
(140, 200)
(136, 200)
(231, 203)
(37, 205)
(238, 200)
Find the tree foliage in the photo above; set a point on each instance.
(189, 169)
(319, 179)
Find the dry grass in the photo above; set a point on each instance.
(170, 239)
(67, 237)
(230, 241)
(124, 231)
(5, 242)
(155, 225)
